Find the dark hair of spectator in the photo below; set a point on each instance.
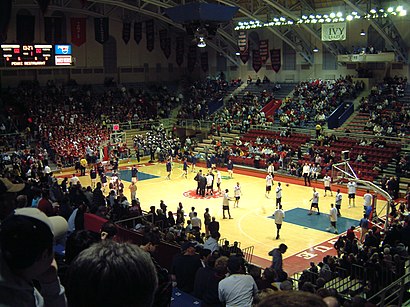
(110, 229)
(292, 299)
(111, 274)
(77, 242)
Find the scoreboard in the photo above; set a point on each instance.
(32, 55)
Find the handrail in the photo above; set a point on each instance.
(394, 289)
(248, 253)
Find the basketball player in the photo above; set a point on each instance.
(269, 182)
(314, 202)
(326, 182)
(351, 190)
(185, 169)
(279, 196)
(169, 169)
(218, 180)
(229, 166)
(225, 204)
(93, 176)
(237, 193)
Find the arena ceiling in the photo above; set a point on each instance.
(225, 41)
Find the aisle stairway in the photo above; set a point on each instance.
(205, 146)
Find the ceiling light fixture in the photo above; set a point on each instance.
(316, 49)
(362, 33)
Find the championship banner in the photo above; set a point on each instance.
(167, 47)
(163, 34)
(5, 15)
(137, 32)
(78, 31)
(244, 56)
(53, 29)
(204, 61)
(150, 34)
(256, 60)
(25, 28)
(101, 29)
(126, 32)
(264, 50)
(242, 41)
(179, 50)
(276, 61)
(192, 57)
(43, 4)
(334, 32)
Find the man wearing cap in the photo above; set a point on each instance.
(184, 267)
(26, 254)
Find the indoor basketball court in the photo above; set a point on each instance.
(252, 223)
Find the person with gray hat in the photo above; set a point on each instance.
(26, 254)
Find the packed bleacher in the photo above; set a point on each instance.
(383, 113)
(313, 101)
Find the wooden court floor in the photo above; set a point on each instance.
(250, 224)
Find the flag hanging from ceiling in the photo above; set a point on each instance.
(276, 60)
(256, 60)
(53, 29)
(101, 29)
(334, 32)
(150, 34)
(167, 47)
(137, 32)
(126, 32)
(78, 31)
(242, 41)
(264, 50)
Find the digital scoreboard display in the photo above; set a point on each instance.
(32, 55)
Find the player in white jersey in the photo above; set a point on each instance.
(218, 180)
(327, 180)
(333, 219)
(237, 193)
(338, 202)
(314, 202)
(279, 195)
(368, 199)
(271, 169)
(269, 183)
(209, 184)
(351, 190)
(279, 216)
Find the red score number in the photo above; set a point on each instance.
(38, 50)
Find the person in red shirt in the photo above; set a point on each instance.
(45, 204)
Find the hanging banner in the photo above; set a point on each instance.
(334, 32)
(5, 15)
(256, 60)
(150, 34)
(264, 50)
(25, 25)
(276, 60)
(244, 56)
(53, 29)
(43, 4)
(242, 41)
(137, 32)
(179, 50)
(167, 47)
(126, 32)
(192, 57)
(163, 34)
(204, 61)
(78, 31)
(101, 29)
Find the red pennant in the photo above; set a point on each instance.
(78, 31)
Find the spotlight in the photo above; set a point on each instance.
(399, 8)
(362, 33)
(403, 13)
(237, 53)
(390, 9)
(201, 42)
(332, 15)
(373, 11)
(316, 49)
(339, 14)
(349, 17)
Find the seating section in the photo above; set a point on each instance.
(362, 158)
(269, 145)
